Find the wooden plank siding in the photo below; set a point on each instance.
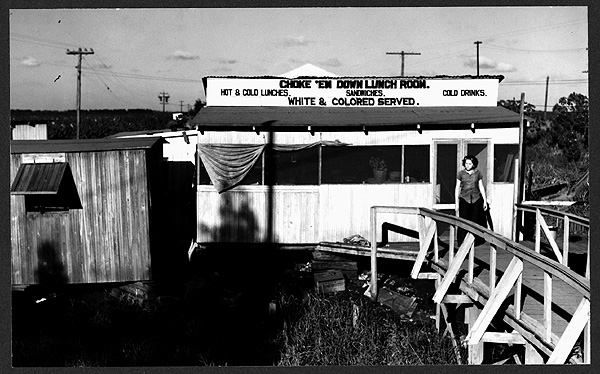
(105, 241)
(302, 214)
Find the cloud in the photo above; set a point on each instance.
(226, 61)
(222, 69)
(30, 61)
(503, 66)
(295, 41)
(183, 55)
(334, 62)
(489, 64)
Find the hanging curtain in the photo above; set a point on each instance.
(228, 164)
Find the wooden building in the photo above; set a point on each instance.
(84, 211)
(287, 160)
(28, 130)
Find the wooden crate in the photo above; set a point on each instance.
(329, 281)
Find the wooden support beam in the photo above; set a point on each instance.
(518, 293)
(587, 344)
(428, 276)
(532, 355)
(580, 319)
(503, 338)
(475, 350)
(551, 240)
(438, 309)
(457, 299)
(454, 267)
(512, 272)
(450, 330)
(424, 242)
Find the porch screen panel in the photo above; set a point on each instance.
(351, 165)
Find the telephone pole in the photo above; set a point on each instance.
(402, 54)
(79, 52)
(546, 100)
(181, 105)
(477, 42)
(164, 99)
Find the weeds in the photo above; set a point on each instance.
(321, 331)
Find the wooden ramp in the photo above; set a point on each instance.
(397, 251)
(525, 288)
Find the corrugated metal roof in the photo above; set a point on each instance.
(42, 179)
(228, 117)
(82, 145)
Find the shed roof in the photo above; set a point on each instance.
(82, 145)
(381, 117)
(33, 179)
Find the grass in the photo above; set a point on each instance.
(94, 329)
(338, 330)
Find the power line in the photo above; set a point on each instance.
(494, 46)
(40, 41)
(118, 97)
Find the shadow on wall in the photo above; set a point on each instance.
(50, 270)
(238, 222)
(175, 220)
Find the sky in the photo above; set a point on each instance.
(141, 53)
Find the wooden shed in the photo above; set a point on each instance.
(84, 211)
(28, 130)
(288, 160)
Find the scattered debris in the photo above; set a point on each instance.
(357, 240)
(329, 281)
(135, 292)
(323, 261)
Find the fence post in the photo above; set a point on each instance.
(373, 290)
(566, 234)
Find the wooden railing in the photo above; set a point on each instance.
(565, 222)
(539, 333)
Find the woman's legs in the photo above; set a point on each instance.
(473, 212)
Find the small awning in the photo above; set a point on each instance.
(40, 179)
(352, 118)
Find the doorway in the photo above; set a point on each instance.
(448, 156)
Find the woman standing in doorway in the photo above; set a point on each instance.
(470, 197)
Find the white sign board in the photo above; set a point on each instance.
(352, 92)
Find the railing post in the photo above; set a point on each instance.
(538, 217)
(373, 290)
(548, 305)
(566, 229)
(492, 283)
(451, 244)
(471, 263)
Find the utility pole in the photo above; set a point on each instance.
(403, 54)
(546, 100)
(164, 99)
(181, 105)
(477, 42)
(79, 52)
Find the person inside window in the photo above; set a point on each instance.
(470, 197)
